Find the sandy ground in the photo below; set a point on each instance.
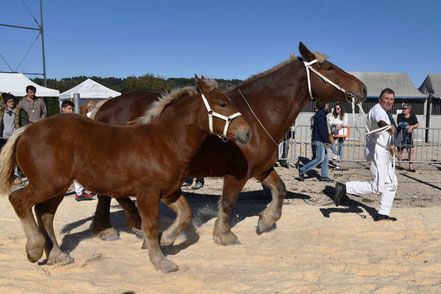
(315, 248)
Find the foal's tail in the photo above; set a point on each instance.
(97, 107)
(8, 161)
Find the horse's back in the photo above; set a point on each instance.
(126, 107)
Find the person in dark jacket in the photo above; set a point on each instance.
(320, 138)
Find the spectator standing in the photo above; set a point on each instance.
(338, 121)
(320, 138)
(290, 135)
(34, 107)
(80, 194)
(407, 122)
(10, 119)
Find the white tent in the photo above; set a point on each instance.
(16, 83)
(89, 89)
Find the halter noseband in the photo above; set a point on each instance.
(212, 113)
(308, 65)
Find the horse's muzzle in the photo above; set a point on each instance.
(243, 136)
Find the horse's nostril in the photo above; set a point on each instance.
(364, 90)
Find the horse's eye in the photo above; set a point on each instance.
(223, 105)
(330, 68)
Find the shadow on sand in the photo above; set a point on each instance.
(204, 209)
(347, 205)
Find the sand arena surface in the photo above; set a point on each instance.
(316, 247)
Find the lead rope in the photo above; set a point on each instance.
(240, 92)
(371, 130)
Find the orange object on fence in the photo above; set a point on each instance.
(342, 133)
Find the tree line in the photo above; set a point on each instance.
(132, 83)
(124, 85)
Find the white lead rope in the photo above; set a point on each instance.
(371, 129)
(227, 119)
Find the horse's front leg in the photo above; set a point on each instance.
(179, 205)
(148, 205)
(101, 225)
(222, 231)
(273, 212)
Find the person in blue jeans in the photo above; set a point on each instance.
(320, 138)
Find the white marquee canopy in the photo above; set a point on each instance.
(89, 89)
(16, 83)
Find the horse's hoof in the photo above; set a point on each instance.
(167, 266)
(226, 239)
(34, 254)
(109, 234)
(263, 227)
(139, 233)
(60, 259)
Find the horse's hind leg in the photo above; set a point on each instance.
(222, 231)
(273, 212)
(22, 204)
(45, 212)
(178, 204)
(148, 205)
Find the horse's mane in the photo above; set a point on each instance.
(166, 99)
(320, 57)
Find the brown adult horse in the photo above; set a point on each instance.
(270, 102)
(148, 160)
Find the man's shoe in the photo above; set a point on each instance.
(301, 174)
(326, 180)
(381, 217)
(340, 192)
(196, 186)
(186, 184)
(84, 196)
(335, 157)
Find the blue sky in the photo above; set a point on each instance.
(220, 39)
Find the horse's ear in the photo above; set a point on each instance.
(306, 54)
(196, 78)
(201, 84)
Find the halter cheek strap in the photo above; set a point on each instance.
(212, 113)
(308, 66)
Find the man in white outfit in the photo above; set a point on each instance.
(384, 181)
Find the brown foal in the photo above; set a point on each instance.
(149, 160)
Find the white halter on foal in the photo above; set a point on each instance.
(212, 113)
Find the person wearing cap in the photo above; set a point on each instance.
(407, 122)
(383, 182)
(10, 120)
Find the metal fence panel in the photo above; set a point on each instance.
(426, 141)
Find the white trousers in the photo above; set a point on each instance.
(384, 182)
(78, 188)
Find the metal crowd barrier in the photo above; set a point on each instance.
(426, 142)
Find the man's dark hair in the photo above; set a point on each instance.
(67, 103)
(32, 88)
(387, 91)
(321, 105)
